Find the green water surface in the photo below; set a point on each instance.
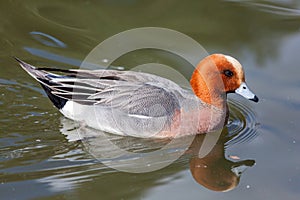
(38, 160)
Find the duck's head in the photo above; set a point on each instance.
(217, 75)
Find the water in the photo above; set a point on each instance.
(40, 156)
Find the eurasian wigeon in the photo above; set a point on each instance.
(145, 105)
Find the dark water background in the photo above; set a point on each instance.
(37, 161)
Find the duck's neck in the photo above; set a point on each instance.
(208, 89)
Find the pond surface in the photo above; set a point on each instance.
(257, 154)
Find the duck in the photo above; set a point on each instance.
(145, 105)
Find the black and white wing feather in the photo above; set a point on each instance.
(131, 92)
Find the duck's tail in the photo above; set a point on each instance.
(44, 79)
(32, 71)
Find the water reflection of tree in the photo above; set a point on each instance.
(231, 26)
(235, 26)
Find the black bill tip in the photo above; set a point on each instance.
(255, 99)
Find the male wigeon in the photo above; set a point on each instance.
(145, 105)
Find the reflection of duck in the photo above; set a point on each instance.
(214, 171)
(146, 105)
(210, 169)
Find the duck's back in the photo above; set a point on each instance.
(123, 102)
(132, 103)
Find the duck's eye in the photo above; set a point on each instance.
(228, 73)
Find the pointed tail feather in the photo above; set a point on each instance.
(31, 70)
(45, 81)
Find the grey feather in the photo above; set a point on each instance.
(131, 92)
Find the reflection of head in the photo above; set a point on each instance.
(214, 171)
(213, 176)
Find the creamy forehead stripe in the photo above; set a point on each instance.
(236, 64)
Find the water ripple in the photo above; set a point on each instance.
(47, 40)
(270, 7)
(242, 124)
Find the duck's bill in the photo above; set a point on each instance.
(244, 91)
